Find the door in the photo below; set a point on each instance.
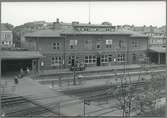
(98, 61)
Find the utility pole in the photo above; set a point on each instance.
(0, 72)
(84, 107)
(74, 75)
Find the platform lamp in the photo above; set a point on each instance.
(85, 102)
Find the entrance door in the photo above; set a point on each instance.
(98, 61)
(72, 62)
(134, 58)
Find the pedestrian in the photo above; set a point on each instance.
(28, 70)
(16, 80)
(21, 73)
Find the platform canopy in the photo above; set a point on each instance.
(157, 49)
(20, 54)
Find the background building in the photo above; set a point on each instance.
(6, 38)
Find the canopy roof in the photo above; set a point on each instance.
(20, 54)
(158, 49)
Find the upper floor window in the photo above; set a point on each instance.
(73, 44)
(56, 46)
(121, 44)
(7, 36)
(98, 46)
(86, 29)
(96, 29)
(109, 43)
(134, 43)
(88, 44)
(108, 29)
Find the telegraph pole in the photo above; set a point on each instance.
(0, 71)
(84, 107)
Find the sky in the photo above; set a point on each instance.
(117, 13)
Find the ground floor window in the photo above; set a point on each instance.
(110, 58)
(56, 60)
(104, 58)
(121, 57)
(73, 60)
(90, 59)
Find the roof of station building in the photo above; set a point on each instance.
(67, 29)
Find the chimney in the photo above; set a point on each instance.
(57, 20)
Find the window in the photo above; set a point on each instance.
(86, 29)
(109, 43)
(56, 60)
(121, 57)
(56, 46)
(90, 59)
(73, 44)
(121, 44)
(134, 43)
(96, 29)
(108, 29)
(110, 58)
(88, 44)
(7, 36)
(98, 45)
(104, 58)
(74, 58)
(134, 58)
(10, 43)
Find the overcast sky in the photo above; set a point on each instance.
(118, 13)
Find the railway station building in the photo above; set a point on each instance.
(90, 44)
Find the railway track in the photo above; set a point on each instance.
(99, 71)
(102, 93)
(20, 106)
(107, 75)
(10, 101)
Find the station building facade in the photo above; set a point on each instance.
(92, 45)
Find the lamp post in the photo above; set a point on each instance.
(74, 75)
(84, 107)
(85, 102)
(1, 113)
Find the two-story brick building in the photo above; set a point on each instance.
(93, 45)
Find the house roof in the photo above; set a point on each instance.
(20, 54)
(157, 49)
(66, 29)
(136, 34)
(44, 33)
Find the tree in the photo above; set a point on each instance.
(152, 90)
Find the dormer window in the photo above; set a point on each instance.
(96, 29)
(85, 29)
(56, 46)
(108, 29)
